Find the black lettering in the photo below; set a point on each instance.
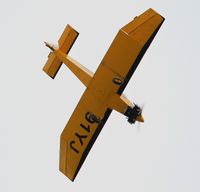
(72, 147)
(90, 117)
(81, 137)
(85, 128)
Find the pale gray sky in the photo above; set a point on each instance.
(162, 156)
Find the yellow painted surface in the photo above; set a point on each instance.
(65, 42)
(119, 103)
(102, 94)
(82, 73)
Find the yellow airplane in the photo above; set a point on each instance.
(103, 88)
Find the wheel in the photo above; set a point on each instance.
(117, 81)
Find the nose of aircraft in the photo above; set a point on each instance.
(140, 118)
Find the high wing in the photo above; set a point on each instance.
(130, 44)
(80, 133)
(110, 80)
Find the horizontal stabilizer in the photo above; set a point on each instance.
(52, 65)
(65, 43)
(67, 39)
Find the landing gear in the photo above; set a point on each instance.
(117, 81)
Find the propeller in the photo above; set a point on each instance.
(134, 114)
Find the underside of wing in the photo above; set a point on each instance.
(130, 44)
(80, 134)
(111, 77)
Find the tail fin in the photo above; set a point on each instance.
(65, 43)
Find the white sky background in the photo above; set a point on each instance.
(163, 155)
